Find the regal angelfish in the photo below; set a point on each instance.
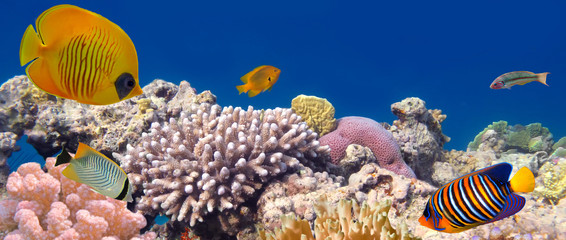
(481, 197)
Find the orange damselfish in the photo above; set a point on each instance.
(80, 55)
(258, 80)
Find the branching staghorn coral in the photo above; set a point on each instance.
(215, 159)
(346, 221)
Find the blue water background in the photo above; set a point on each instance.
(360, 55)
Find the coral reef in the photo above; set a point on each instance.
(500, 137)
(419, 135)
(296, 193)
(7, 146)
(49, 206)
(317, 112)
(51, 122)
(552, 185)
(216, 159)
(346, 220)
(369, 133)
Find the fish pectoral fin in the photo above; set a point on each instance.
(269, 88)
(253, 93)
(513, 205)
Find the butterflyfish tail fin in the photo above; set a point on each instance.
(523, 181)
(541, 77)
(30, 46)
(241, 89)
(63, 157)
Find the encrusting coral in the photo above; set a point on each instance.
(50, 206)
(553, 178)
(317, 112)
(368, 133)
(346, 221)
(216, 159)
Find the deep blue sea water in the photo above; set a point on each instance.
(360, 55)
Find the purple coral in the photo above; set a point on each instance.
(369, 133)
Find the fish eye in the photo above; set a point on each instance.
(124, 84)
(130, 83)
(269, 79)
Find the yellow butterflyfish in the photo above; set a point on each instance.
(80, 55)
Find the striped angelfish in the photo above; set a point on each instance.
(481, 197)
(94, 169)
(510, 79)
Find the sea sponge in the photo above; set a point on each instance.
(368, 133)
(346, 221)
(317, 112)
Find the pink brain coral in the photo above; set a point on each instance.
(369, 133)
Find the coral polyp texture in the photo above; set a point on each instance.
(50, 206)
(216, 159)
(368, 133)
(345, 221)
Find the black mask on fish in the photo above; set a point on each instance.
(124, 85)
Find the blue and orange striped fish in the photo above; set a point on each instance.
(80, 55)
(481, 197)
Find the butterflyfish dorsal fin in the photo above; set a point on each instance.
(84, 151)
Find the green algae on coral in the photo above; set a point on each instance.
(499, 127)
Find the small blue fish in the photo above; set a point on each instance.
(161, 219)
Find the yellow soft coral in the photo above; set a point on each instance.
(347, 221)
(317, 112)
